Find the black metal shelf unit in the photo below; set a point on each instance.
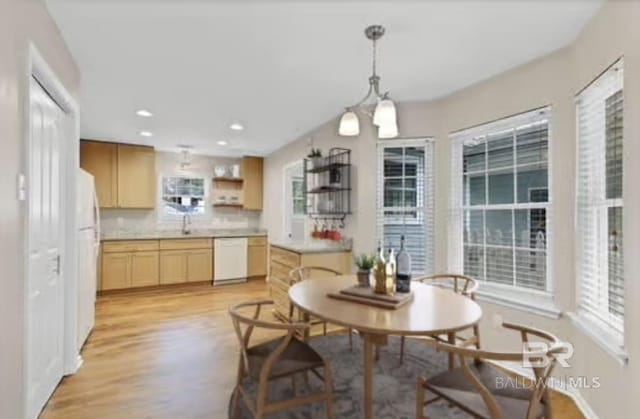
(327, 185)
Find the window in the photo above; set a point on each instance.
(405, 199)
(500, 202)
(599, 109)
(183, 195)
(297, 196)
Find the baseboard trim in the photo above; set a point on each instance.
(573, 394)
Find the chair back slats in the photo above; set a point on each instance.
(460, 284)
(244, 326)
(540, 390)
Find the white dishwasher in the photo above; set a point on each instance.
(229, 260)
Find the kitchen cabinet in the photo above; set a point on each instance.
(129, 264)
(257, 257)
(136, 177)
(282, 261)
(101, 160)
(144, 269)
(115, 271)
(125, 175)
(252, 175)
(186, 260)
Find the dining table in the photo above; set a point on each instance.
(431, 311)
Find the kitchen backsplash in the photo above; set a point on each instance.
(169, 164)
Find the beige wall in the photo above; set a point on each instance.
(168, 164)
(21, 22)
(552, 80)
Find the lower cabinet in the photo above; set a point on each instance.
(186, 260)
(129, 270)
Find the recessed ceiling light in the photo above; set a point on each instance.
(222, 143)
(144, 112)
(146, 133)
(236, 126)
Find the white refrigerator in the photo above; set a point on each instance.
(88, 245)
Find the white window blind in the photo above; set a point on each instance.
(499, 225)
(405, 201)
(182, 195)
(599, 109)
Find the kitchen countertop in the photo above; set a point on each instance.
(312, 246)
(177, 234)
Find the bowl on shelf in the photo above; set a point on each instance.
(220, 171)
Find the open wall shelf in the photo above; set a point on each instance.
(327, 185)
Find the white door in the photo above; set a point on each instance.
(45, 304)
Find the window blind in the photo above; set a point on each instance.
(498, 227)
(405, 199)
(599, 110)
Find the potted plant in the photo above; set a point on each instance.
(315, 156)
(365, 264)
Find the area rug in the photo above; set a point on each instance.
(394, 384)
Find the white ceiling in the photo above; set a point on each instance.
(283, 67)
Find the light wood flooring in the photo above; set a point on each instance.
(167, 353)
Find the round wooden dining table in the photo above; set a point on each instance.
(431, 311)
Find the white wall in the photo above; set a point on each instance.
(22, 21)
(168, 164)
(552, 80)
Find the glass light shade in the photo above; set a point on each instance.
(385, 113)
(388, 130)
(349, 124)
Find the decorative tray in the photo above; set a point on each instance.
(366, 295)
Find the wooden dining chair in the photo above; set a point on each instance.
(280, 358)
(488, 392)
(305, 272)
(460, 284)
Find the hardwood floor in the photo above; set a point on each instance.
(167, 353)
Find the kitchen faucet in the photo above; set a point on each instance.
(186, 222)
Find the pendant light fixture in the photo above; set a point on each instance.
(384, 115)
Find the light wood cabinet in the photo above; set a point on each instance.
(125, 175)
(257, 261)
(200, 265)
(122, 270)
(144, 269)
(173, 266)
(186, 260)
(115, 271)
(136, 177)
(282, 261)
(252, 168)
(101, 160)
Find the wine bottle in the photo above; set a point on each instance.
(380, 271)
(403, 269)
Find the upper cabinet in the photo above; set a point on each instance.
(252, 182)
(101, 160)
(124, 174)
(136, 177)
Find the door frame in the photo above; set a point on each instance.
(287, 213)
(38, 68)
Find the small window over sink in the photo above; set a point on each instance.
(182, 195)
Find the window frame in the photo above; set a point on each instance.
(427, 193)
(538, 301)
(163, 216)
(595, 324)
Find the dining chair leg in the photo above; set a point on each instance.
(368, 376)
(235, 403)
(476, 332)
(328, 384)
(324, 329)
(401, 349)
(420, 398)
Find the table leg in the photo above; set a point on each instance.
(368, 376)
(306, 318)
(452, 341)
